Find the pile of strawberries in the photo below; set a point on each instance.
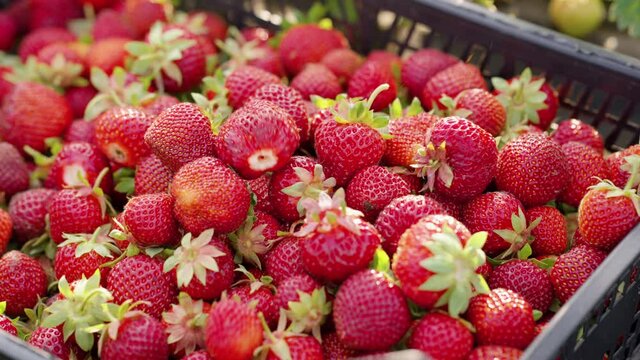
(175, 188)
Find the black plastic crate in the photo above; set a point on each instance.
(597, 86)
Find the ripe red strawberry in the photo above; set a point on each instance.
(619, 169)
(257, 33)
(244, 81)
(198, 355)
(38, 39)
(452, 208)
(149, 219)
(576, 130)
(78, 98)
(77, 161)
(14, 173)
(407, 134)
(22, 281)
(185, 326)
(586, 166)
(334, 349)
(459, 159)
(284, 260)
(5, 85)
(441, 337)
(9, 31)
(336, 243)
(290, 288)
(214, 24)
(141, 14)
(28, 210)
(386, 57)
(533, 168)
(492, 352)
(48, 53)
(370, 312)
(52, 341)
(486, 110)
(120, 135)
(260, 188)
(308, 43)
(367, 79)
(81, 131)
(342, 62)
(152, 176)
(259, 291)
(317, 79)
(107, 54)
(53, 13)
(254, 238)
(6, 324)
(400, 214)
(573, 268)
(111, 24)
(547, 115)
(180, 135)
(159, 104)
(257, 138)
(550, 236)
(451, 81)
(6, 230)
(227, 319)
(137, 336)
(32, 112)
(208, 184)
(526, 279)
(73, 211)
(502, 317)
(140, 278)
(373, 188)
(290, 101)
(299, 347)
(421, 66)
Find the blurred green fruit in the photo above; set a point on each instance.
(577, 17)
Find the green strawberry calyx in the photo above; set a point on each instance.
(59, 74)
(98, 242)
(43, 162)
(213, 103)
(326, 213)
(358, 111)
(115, 315)
(239, 50)
(254, 284)
(450, 108)
(309, 313)
(249, 241)
(454, 269)
(186, 321)
(80, 309)
(397, 110)
(85, 189)
(519, 236)
(125, 180)
(521, 97)
(310, 185)
(630, 190)
(275, 341)
(431, 162)
(194, 257)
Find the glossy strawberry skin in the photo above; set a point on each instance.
(615, 161)
(452, 81)
(160, 104)
(142, 14)
(9, 31)
(491, 352)
(40, 38)
(215, 282)
(288, 289)
(6, 230)
(14, 173)
(261, 189)
(407, 133)
(334, 349)
(208, 184)
(81, 131)
(52, 341)
(7, 326)
(198, 355)
(586, 166)
(110, 23)
(192, 65)
(316, 79)
(32, 112)
(244, 81)
(120, 135)
(526, 279)
(227, 319)
(492, 211)
(51, 51)
(78, 98)
(335, 255)
(373, 188)
(573, 268)
(28, 210)
(284, 260)
(486, 110)
(290, 101)
(257, 138)
(139, 337)
(441, 337)
(533, 168)
(263, 297)
(72, 213)
(550, 236)
(150, 220)
(370, 312)
(342, 62)
(152, 176)
(140, 278)
(285, 206)
(308, 43)
(22, 281)
(301, 347)
(421, 66)
(502, 317)
(79, 157)
(53, 13)
(547, 115)
(73, 268)
(576, 130)
(107, 54)
(367, 78)
(180, 135)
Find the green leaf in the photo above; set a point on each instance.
(525, 252)
(3, 307)
(381, 261)
(477, 240)
(626, 14)
(537, 314)
(439, 265)
(138, 48)
(436, 283)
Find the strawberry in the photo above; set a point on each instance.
(259, 34)
(342, 63)
(180, 134)
(198, 355)
(289, 289)
(290, 101)
(388, 58)
(550, 236)
(451, 81)
(207, 183)
(22, 282)
(316, 79)
(533, 168)
(6, 230)
(191, 64)
(111, 24)
(400, 214)
(436, 239)
(254, 238)
(107, 54)
(373, 188)
(502, 317)
(301, 178)
(244, 81)
(257, 138)
(334, 349)
(284, 260)
(370, 312)
(254, 53)
(53, 13)
(441, 337)
(576, 130)
(619, 168)
(5, 85)
(526, 279)
(40, 38)
(421, 66)
(14, 173)
(352, 139)
(308, 43)
(492, 352)
(31, 113)
(366, 80)
(215, 25)
(227, 319)
(77, 161)
(260, 188)
(78, 98)
(152, 176)
(48, 54)
(287, 344)
(136, 336)
(142, 14)
(159, 104)
(185, 326)
(209, 259)
(573, 268)
(140, 278)
(52, 341)
(259, 291)
(149, 218)
(459, 159)
(120, 135)
(28, 210)
(407, 135)
(336, 242)
(9, 31)
(6, 324)
(479, 106)
(81, 131)
(586, 166)
(452, 208)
